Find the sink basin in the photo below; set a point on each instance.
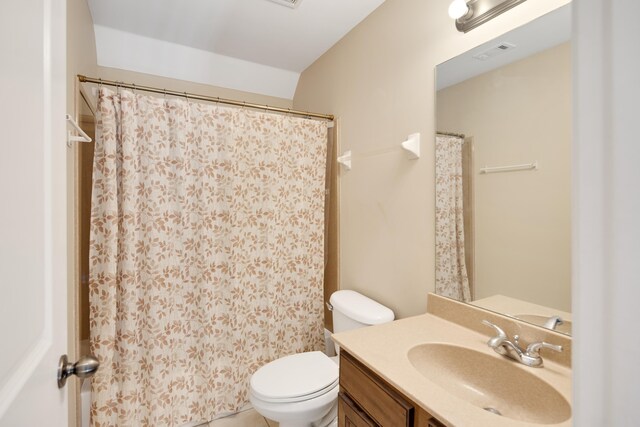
(540, 320)
(491, 383)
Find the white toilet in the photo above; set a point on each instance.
(301, 390)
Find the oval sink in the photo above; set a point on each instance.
(541, 320)
(496, 385)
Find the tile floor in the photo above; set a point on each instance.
(246, 418)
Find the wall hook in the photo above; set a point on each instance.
(412, 145)
(345, 160)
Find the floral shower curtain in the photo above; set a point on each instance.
(206, 254)
(451, 271)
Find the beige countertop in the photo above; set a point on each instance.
(524, 310)
(383, 348)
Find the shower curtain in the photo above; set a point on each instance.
(451, 272)
(206, 256)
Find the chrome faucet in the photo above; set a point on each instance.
(530, 357)
(553, 322)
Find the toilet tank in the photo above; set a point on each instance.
(352, 310)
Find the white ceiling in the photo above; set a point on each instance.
(252, 45)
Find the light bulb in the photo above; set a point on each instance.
(458, 9)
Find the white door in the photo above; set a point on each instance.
(33, 288)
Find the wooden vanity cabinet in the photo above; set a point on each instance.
(366, 400)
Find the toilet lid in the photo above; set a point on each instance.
(293, 378)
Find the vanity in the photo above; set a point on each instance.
(437, 370)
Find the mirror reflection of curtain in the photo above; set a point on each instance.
(207, 261)
(451, 271)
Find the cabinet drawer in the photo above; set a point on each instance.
(350, 415)
(382, 403)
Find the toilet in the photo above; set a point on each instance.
(301, 390)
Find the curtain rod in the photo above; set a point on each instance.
(85, 79)
(459, 135)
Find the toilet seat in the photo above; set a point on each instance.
(296, 398)
(295, 378)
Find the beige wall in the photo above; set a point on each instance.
(81, 59)
(379, 81)
(81, 47)
(518, 114)
(191, 87)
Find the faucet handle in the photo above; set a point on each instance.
(498, 339)
(553, 322)
(498, 329)
(534, 348)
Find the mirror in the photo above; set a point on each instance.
(503, 174)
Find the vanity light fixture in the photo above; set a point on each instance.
(470, 14)
(458, 9)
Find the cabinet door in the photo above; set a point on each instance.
(349, 415)
(378, 399)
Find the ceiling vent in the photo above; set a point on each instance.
(289, 3)
(494, 51)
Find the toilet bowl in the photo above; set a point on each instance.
(301, 390)
(296, 390)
